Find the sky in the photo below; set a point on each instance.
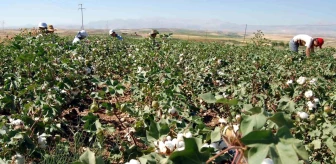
(254, 12)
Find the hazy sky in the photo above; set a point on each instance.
(256, 12)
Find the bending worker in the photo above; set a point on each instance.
(80, 36)
(305, 40)
(114, 34)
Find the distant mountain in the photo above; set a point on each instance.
(212, 25)
(202, 25)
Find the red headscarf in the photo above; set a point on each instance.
(320, 42)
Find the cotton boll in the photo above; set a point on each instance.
(236, 128)
(222, 121)
(18, 159)
(162, 147)
(180, 144)
(267, 161)
(175, 141)
(316, 100)
(311, 105)
(238, 117)
(308, 93)
(42, 141)
(180, 137)
(16, 122)
(301, 80)
(289, 82)
(313, 81)
(168, 138)
(170, 145)
(172, 111)
(303, 115)
(133, 161)
(188, 135)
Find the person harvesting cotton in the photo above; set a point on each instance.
(305, 40)
(42, 29)
(152, 36)
(114, 34)
(80, 36)
(50, 29)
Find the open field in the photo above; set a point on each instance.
(185, 35)
(184, 101)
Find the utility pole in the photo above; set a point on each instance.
(81, 8)
(245, 32)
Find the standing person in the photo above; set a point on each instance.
(80, 36)
(114, 34)
(305, 40)
(152, 36)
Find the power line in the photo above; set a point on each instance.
(81, 8)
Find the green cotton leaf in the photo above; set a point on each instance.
(216, 134)
(301, 150)
(274, 154)
(286, 153)
(331, 145)
(254, 122)
(247, 107)
(90, 122)
(77, 162)
(227, 101)
(156, 130)
(100, 160)
(88, 157)
(259, 137)
(287, 104)
(191, 153)
(281, 120)
(317, 144)
(28, 142)
(255, 110)
(315, 133)
(258, 153)
(208, 97)
(284, 133)
(164, 128)
(152, 158)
